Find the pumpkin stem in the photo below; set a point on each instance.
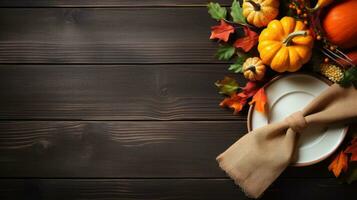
(252, 69)
(287, 40)
(254, 4)
(312, 9)
(320, 4)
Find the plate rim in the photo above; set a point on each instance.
(280, 76)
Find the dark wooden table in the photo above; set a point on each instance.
(114, 99)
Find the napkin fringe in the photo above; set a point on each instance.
(236, 181)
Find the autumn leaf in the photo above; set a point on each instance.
(221, 31)
(248, 41)
(237, 67)
(250, 89)
(260, 101)
(237, 13)
(351, 175)
(216, 11)
(236, 102)
(352, 149)
(225, 52)
(227, 86)
(339, 164)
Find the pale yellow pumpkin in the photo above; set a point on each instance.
(253, 69)
(260, 12)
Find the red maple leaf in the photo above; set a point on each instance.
(352, 149)
(250, 89)
(221, 31)
(248, 41)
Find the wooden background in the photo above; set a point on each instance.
(114, 99)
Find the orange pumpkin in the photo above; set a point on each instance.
(340, 24)
(285, 45)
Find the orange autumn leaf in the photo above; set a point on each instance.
(221, 31)
(260, 101)
(235, 102)
(339, 164)
(352, 149)
(248, 41)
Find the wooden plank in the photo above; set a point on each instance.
(106, 35)
(125, 92)
(113, 149)
(105, 3)
(307, 189)
(122, 149)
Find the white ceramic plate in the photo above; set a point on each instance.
(288, 94)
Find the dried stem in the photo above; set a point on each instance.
(288, 39)
(254, 4)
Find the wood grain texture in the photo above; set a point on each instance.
(122, 149)
(106, 35)
(173, 189)
(125, 92)
(106, 3)
(114, 149)
(114, 99)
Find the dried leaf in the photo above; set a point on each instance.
(225, 52)
(216, 11)
(352, 149)
(221, 31)
(352, 174)
(260, 101)
(227, 86)
(250, 89)
(339, 164)
(236, 102)
(248, 41)
(237, 13)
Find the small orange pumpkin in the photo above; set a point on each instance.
(340, 24)
(285, 45)
(260, 12)
(253, 69)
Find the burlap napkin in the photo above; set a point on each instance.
(260, 156)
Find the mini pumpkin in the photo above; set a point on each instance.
(260, 12)
(253, 69)
(285, 45)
